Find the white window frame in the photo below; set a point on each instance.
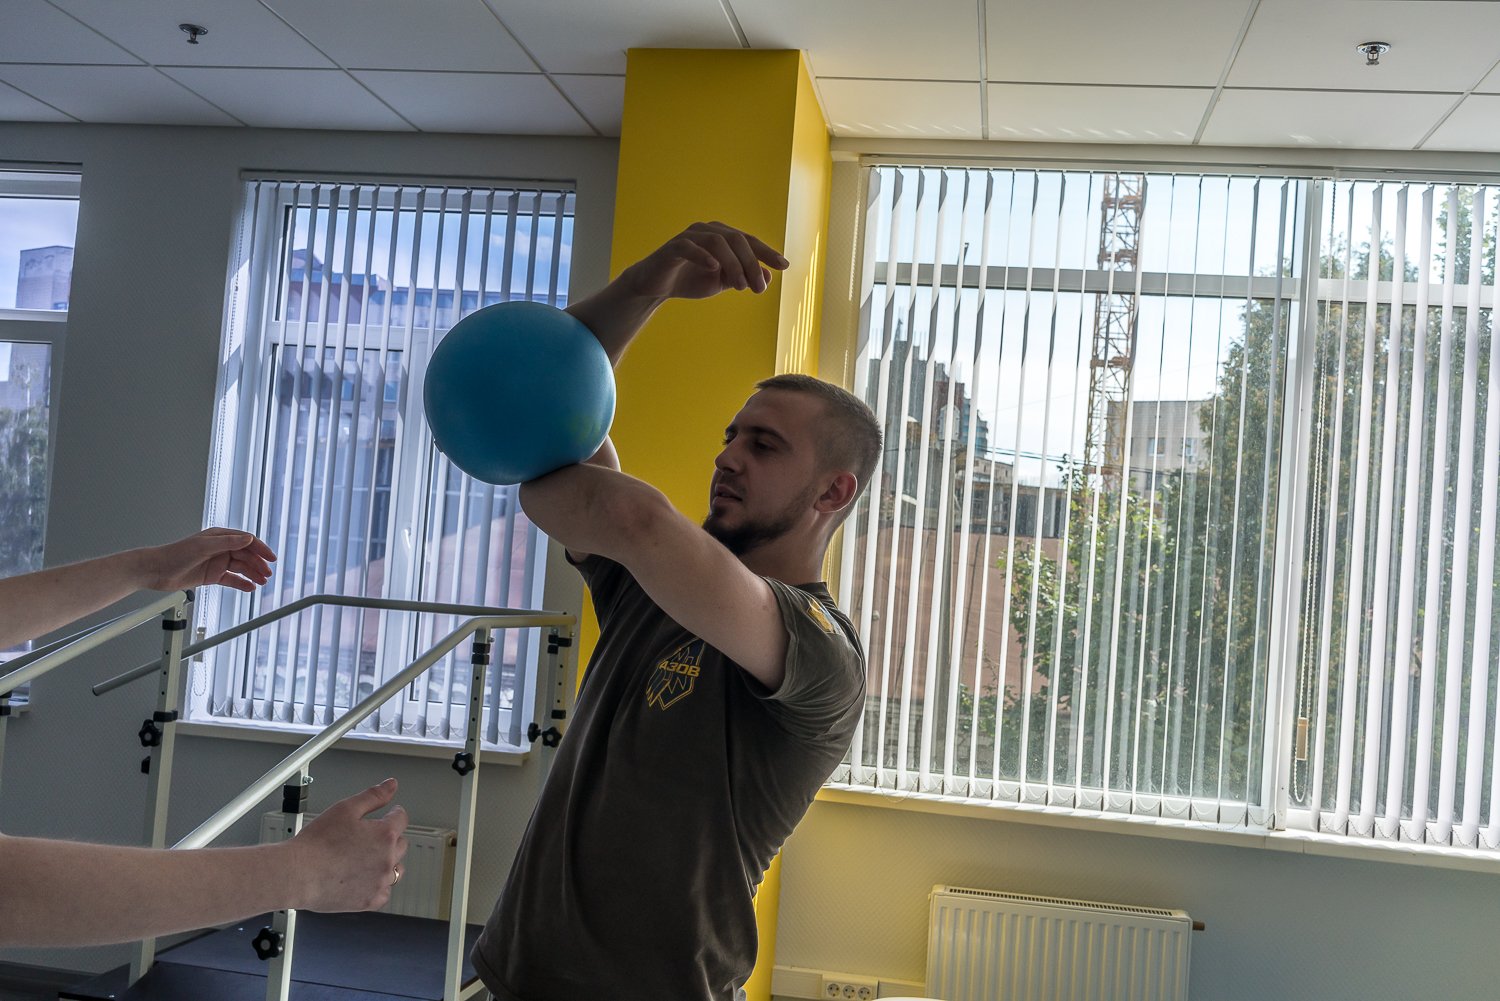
(39, 326)
(261, 246)
(1288, 553)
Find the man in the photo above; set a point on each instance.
(725, 688)
(61, 893)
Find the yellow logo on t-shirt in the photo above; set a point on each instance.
(674, 675)
(815, 610)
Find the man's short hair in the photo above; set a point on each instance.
(852, 439)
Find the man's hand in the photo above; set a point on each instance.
(703, 260)
(212, 556)
(349, 862)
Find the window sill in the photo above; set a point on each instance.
(367, 743)
(35, 315)
(1298, 842)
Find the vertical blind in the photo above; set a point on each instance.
(1396, 675)
(338, 294)
(1103, 568)
(1062, 572)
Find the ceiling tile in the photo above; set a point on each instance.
(239, 33)
(1441, 45)
(1323, 118)
(290, 98)
(600, 98)
(36, 32)
(136, 95)
(1038, 112)
(935, 40)
(591, 36)
(401, 34)
(492, 103)
(1168, 42)
(874, 108)
(1471, 126)
(1491, 83)
(17, 107)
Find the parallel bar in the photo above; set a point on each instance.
(349, 601)
(211, 828)
(82, 643)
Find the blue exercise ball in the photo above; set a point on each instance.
(517, 390)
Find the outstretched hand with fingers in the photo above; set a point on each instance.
(350, 861)
(213, 556)
(703, 260)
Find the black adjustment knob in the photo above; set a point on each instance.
(267, 943)
(463, 763)
(150, 734)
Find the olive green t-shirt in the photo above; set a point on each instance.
(677, 781)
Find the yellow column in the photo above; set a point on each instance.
(733, 136)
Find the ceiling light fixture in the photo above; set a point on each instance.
(1373, 51)
(193, 31)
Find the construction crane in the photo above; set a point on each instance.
(1113, 353)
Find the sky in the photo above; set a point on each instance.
(1028, 372)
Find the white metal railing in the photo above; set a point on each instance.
(275, 942)
(30, 666)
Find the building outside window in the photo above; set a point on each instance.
(340, 292)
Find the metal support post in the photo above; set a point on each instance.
(558, 701)
(274, 942)
(159, 736)
(5, 711)
(466, 763)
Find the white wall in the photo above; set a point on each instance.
(131, 461)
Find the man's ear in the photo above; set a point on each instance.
(839, 494)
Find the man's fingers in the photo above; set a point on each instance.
(691, 252)
(730, 264)
(739, 245)
(765, 252)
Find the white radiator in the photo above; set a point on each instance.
(985, 945)
(426, 887)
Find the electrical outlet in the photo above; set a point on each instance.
(848, 987)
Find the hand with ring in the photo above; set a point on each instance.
(352, 860)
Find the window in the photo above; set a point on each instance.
(38, 221)
(340, 291)
(1393, 691)
(1282, 624)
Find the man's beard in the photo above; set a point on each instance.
(750, 535)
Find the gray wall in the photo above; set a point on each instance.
(130, 464)
(855, 883)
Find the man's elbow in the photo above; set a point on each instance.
(635, 520)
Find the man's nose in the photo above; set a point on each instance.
(728, 458)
